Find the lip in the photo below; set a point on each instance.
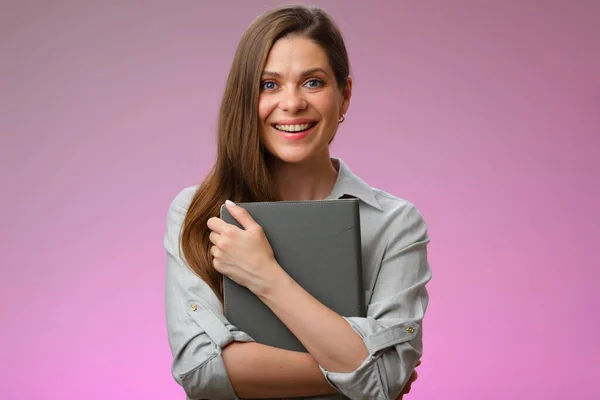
(295, 136)
(297, 121)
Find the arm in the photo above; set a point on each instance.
(392, 329)
(370, 357)
(331, 341)
(259, 371)
(212, 358)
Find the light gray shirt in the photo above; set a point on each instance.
(395, 269)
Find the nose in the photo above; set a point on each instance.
(292, 101)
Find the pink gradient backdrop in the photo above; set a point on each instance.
(484, 114)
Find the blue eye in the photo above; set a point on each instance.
(268, 85)
(314, 83)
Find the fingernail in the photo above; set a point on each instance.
(230, 203)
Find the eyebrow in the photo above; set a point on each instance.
(304, 74)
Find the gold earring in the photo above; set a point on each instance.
(342, 118)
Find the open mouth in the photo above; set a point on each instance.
(295, 128)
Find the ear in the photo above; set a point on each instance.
(346, 96)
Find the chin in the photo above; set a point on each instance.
(291, 157)
(299, 155)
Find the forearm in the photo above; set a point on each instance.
(325, 334)
(259, 371)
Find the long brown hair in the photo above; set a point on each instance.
(241, 171)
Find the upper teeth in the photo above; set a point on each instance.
(292, 128)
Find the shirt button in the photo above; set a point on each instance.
(193, 307)
(410, 329)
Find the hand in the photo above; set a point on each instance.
(243, 255)
(407, 387)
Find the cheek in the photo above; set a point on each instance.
(328, 107)
(266, 105)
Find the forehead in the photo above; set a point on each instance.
(296, 54)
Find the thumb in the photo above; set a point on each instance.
(240, 214)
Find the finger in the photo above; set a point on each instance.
(411, 380)
(241, 215)
(214, 251)
(217, 261)
(408, 385)
(214, 238)
(218, 266)
(218, 253)
(217, 225)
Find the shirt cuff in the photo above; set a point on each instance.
(379, 337)
(364, 382)
(370, 380)
(218, 329)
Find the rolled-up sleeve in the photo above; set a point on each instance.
(197, 330)
(392, 330)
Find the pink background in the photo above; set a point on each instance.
(486, 114)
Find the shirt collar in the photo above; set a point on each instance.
(351, 185)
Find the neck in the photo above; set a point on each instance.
(312, 180)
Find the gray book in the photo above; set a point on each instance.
(318, 244)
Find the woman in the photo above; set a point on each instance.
(287, 92)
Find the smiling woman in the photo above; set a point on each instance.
(287, 93)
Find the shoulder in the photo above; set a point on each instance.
(402, 221)
(182, 200)
(379, 205)
(176, 212)
(394, 206)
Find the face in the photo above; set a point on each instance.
(300, 102)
